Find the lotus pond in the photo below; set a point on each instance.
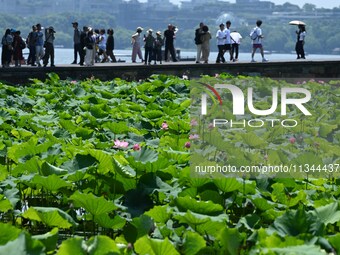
(93, 167)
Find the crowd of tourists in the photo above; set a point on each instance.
(97, 45)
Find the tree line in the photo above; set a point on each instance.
(322, 37)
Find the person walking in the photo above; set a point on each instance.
(227, 46)
(198, 42)
(301, 34)
(102, 40)
(149, 41)
(7, 48)
(257, 36)
(235, 38)
(205, 37)
(39, 43)
(110, 45)
(76, 42)
(30, 41)
(136, 44)
(49, 46)
(159, 41)
(169, 36)
(221, 37)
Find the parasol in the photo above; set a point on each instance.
(297, 22)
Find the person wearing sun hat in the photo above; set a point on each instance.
(49, 43)
(157, 49)
(136, 44)
(149, 41)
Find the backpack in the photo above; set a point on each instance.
(253, 34)
(22, 44)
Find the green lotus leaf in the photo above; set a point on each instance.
(295, 222)
(301, 250)
(49, 239)
(84, 133)
(106, 221)
(68, 125)
(51, 182)
(193, 243)
(148, 246)
(5, 204)
(325, 129)
(48, 169)
(202, 207)
(102, 245)
(32, 165)
(23, 245)
(80, 162)
(153, 114)
(99, 111)
(117, 127)
(328, 214)
(93, 204)
(8, 233)
(308, 158)
(13, 196)
(121, 166)
(50, 216)
(159, 214)
(231, 240)
(227, 184)
(72, 246)
(144, 155)
(252, 140)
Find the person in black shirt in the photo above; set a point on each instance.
(82, 45)
(110, 45)
(169, 36)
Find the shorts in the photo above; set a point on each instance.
(227, 47)
(257, 46)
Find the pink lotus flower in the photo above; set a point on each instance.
(193, 123)
(185, 77)
(74, 82)
(187, 145)
(136, 147)
(194, 137)
(165, 125)
(217, 75)
(120, 144)
(292, 140)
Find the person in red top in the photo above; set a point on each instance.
(18, 46)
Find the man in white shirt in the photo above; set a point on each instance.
(227, 46)
(221, 38)
(235, 42)
(257, 41)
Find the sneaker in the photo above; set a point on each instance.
(73, 63)
(264, 60)
(253, 61)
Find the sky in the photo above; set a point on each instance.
(318, 3)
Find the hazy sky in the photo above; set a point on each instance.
(318, 3)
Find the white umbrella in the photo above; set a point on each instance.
(297, 22)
